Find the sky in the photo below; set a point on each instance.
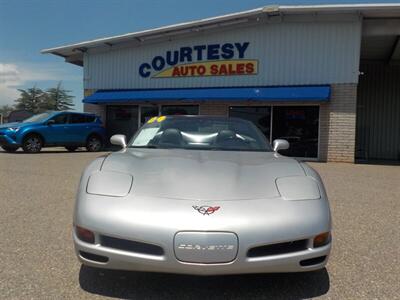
(28, 26)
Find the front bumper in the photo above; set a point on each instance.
(168, 263)
(6, 140)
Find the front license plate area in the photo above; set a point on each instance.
(206, 247)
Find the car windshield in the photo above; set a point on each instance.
(37, 118)
(201, 133)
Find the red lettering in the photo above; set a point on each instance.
(249, 68)
(240, 68)
(214, 69)
(184, 70)
(222, 70)
(192, 70)
(231, 70)
(201, 70)
(175, 72)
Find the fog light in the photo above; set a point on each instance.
(322, 239)
(85, 234)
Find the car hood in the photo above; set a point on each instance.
(202, 175)
(14, 125)
(8, 125)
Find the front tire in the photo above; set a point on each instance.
(32, 143)
(94, 143)
(9, 149)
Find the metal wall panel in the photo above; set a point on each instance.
(289, 53)
(378, 112)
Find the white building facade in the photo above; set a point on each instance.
(296, 72)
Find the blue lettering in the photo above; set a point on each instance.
(227, 51)
(213, 52)
(199, 50)
(241, 48)
(158, 63)
(143, 70)
(174, 61)
(186, 52)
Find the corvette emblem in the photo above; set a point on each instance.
(206, 210)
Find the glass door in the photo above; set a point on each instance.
(299, 126)
(259, 115)
(147, 112)
(122, 119)
(169, 110)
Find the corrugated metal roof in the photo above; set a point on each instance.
(366, 10)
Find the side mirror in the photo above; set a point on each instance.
(280, 144)
(50, 122)
(119, 140)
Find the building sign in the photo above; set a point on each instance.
(201, 60)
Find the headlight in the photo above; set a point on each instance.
(15, 129)
(322, 239)
(84, 234)
(108, 183)
(298, 188)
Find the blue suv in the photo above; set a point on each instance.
(68, 129)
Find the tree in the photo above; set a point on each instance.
(31, 100)
(58, 98)
(5, 110)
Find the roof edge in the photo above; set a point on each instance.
(70, 49)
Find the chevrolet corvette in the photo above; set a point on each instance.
(201, 195)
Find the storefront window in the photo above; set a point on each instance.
(147, 112)
(179, 110)
(259, 115)
(122, 119)
(299, 126)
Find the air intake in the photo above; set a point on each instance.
(93, 257)
(131, 246)
(312, 261)
(276, 249)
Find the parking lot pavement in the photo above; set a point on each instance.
(37, 258)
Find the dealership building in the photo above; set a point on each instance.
(325, 77)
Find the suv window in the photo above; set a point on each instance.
(77, 119)
(60, 119)
(90, 119)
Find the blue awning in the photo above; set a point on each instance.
(296, 93)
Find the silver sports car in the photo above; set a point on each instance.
(201, 195)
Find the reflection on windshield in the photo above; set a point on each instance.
(37, 118)
(201, 133)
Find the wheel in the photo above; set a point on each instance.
(32, 144)
(71, 148)
(94, 143)
(10, 149)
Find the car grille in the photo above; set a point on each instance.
(131, 246)
(276, 249)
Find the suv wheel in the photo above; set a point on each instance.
(32, 144)
(71, 148)
(10, 149)
(94, 144)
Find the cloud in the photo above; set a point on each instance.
(8, 74)
(13, 76)
(9, 78)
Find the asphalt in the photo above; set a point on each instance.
(37, 259)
